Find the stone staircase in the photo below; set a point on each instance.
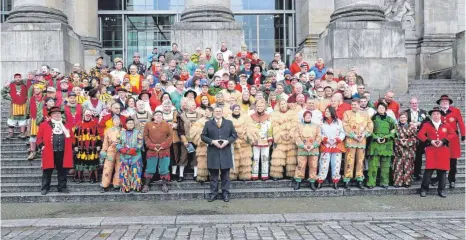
(21, 180)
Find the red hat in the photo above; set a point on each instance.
(17, 74)
(445, 97)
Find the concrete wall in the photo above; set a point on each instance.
(27, 46)
(459, 57)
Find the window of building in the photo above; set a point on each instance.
(112, 31)
(238, 5)
(110, 5)
(146, 32)
(134, 5)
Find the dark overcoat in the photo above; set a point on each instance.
(219, 158)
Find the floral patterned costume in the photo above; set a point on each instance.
(405, 151)
(129, 147)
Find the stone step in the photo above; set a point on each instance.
(157, 195)
(36, 177)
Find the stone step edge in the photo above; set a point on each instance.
(202, 191)
(230, 219)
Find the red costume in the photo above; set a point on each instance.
(239, 88)
(452, 117)
(135, 89)
(74, 116)
(342, 109)
(107, 122)
(437, 157)
(45, 137)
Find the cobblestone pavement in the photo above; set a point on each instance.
(401, 229)
(390, 203)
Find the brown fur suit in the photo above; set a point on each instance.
(201, 150)
(284, 152)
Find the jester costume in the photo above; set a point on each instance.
(129, 148)
(307, 135)
(87, 140)
(284, 149)
(381, 153)
(32, 109)
(112, 159)
(201, 150)
(16, 92)
(247, 133)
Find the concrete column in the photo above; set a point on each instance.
(83, 17)
(207, 11)
(37, 11)
(37, 33)
(358, 10)
(359, 35)
(207, 23)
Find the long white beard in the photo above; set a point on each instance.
(60, 128)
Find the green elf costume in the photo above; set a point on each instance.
(381, 149)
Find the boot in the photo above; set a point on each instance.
(164, 186)
(10, 133)
(297, 186)
(32, 155)
(346, 186)
(146, 188)
(360, 186)
(313, 186)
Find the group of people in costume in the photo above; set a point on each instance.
(125, 128)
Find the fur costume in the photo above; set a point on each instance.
(284, 151)
(201, 150)
(248, 133)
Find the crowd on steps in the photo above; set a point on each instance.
(123, 127)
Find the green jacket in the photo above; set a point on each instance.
(384, 127)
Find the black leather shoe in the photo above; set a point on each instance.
(180, 179)
(173, 178)
(297, 186)
(64, 190)
(360, 186)
(383, 186)
(452, 185)
(442, 194)
(423, 193)
(433, 183)
(313, 186)
(275, 179)
(226, 198)
(44, 192)
(417, 177)
(212, 197)
(346, 186)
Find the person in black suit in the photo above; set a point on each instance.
(219, 135)
(417, 117)
(122, 97)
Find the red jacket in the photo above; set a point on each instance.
(44, 137)
(454, 120)
(342, 109)
(76, 118)
(437, 157)
(240, 89)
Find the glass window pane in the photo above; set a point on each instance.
(110, 5)
(146, 32)
(114, 54)
(154, 5)
(112, 35)
(249, 23)
(237, 5)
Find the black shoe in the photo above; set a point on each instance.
(442, 194)
(313, 186)
(64, 190)
(433, 183)
(173, 177)
(407, 186)
(44, 192)
(346, 186)
(370, 187)
(180, 179)
(396, 186)
(452, 185)
(226, 198)
(195, 178)
(423, 193)
(335, 186)
(275, 179)
(103, 190)
(383, 186)
(417, 177)
(297, 186)
(212, 197)
(319, 185)
(360, 186)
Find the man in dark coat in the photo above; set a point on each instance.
(219, 134)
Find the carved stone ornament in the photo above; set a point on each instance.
(402, 11)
